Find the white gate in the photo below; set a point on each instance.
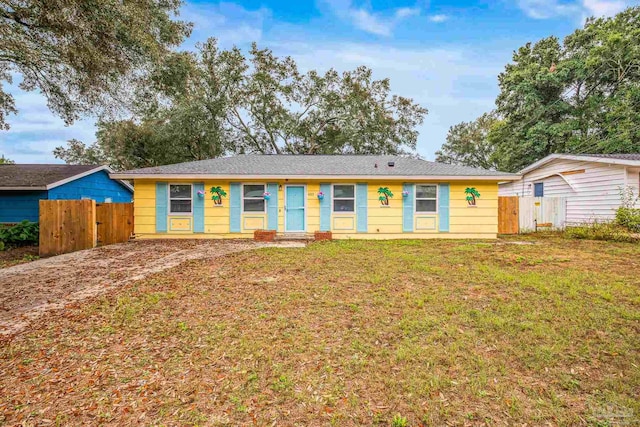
(547, 213)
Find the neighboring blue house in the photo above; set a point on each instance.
(23, 186)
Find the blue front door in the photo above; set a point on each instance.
(294, 208)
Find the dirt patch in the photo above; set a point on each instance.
(18, 255)
(28, 291)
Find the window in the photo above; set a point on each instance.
(344, 199)
(179, 198)
(538, 189)
(253, 198)
(426, 198)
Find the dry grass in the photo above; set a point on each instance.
(347, 333)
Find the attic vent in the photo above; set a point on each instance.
(391, 164)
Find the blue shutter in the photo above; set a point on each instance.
(325, 208)
(198, 208)
(361, 208)
(161, 207)
(443, 207)
(235, 211)
(407, 208)
(272, 206)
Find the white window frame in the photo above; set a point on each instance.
(242, 198)
(333, 198)
(169, 198)
(415, 199)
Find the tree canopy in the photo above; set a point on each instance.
(204, 104)
(581, 95)
(83, 56)
(468, 143)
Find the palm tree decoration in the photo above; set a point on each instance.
(385, 194)
(472, 195)
(217, 193)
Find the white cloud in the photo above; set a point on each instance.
(35, 131)
(438, 18)
(381, 24)
(405, 12)
(603, 8)
(545, 9)
(369, 23)
(230, 23)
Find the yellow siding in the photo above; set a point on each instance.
(481, 219)
(382, 222)
(144, 208)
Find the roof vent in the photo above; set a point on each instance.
(391, 164)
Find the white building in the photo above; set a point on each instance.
(590, 182)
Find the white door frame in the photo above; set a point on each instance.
(304, 200)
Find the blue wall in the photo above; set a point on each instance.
(16, 206)
(96, 186)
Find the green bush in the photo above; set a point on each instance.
(628, 218)
(24, 233)
(601, 231)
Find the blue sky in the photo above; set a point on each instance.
(446, 55)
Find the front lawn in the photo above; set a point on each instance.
(348, 333)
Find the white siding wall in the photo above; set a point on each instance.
(633, 180)
(597, 190)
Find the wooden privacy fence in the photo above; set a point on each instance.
(522, 214)
(73, 225)
(66, 226)
(508, 215)
(114, 222)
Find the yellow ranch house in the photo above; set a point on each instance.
(352, 196)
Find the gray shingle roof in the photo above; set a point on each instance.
(633, 156)
(38, 175)
(313, 165)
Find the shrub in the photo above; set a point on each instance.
(24, 233)
(627, 215)
(601, 231)
(628, 218)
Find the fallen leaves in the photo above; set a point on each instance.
(349, 333)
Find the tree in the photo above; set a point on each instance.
(218, 101)
(126, 144)
(578, 96)
(83, 56)
(274, 108)
(468, 143)
(5, 161)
